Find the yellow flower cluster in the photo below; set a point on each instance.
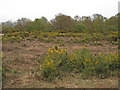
(51, 60)
(39, 34)
(47, 64)
(56, 58)
(56, 50)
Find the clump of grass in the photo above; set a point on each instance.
(24, 45)
(16, 59)
(114, 43)
(40, 38)
(49, 40)
(96, 43)
(62, 44)
(59, 40)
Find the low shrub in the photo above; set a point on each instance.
(82, 61)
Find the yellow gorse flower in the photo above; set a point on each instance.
(83, 46)
(51, 51)
(96, 62)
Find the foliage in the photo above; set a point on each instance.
(94, 38)
(80, 28)
(64, 23)
(52, 61)
(83, 61)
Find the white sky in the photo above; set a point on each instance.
(16, 9)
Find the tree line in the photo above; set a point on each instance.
(64, 23)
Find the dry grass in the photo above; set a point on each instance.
(20, 59)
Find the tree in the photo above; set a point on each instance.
(98, 22)
(79, 27)
(86, 20)
(6, 26)
(40, 24)
(62, 23)
(22, 23)
(112, 23)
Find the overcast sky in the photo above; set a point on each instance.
(16, 9)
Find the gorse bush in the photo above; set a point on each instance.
(85, 37)
(54, 59)
(49, 70)
(83, 61)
